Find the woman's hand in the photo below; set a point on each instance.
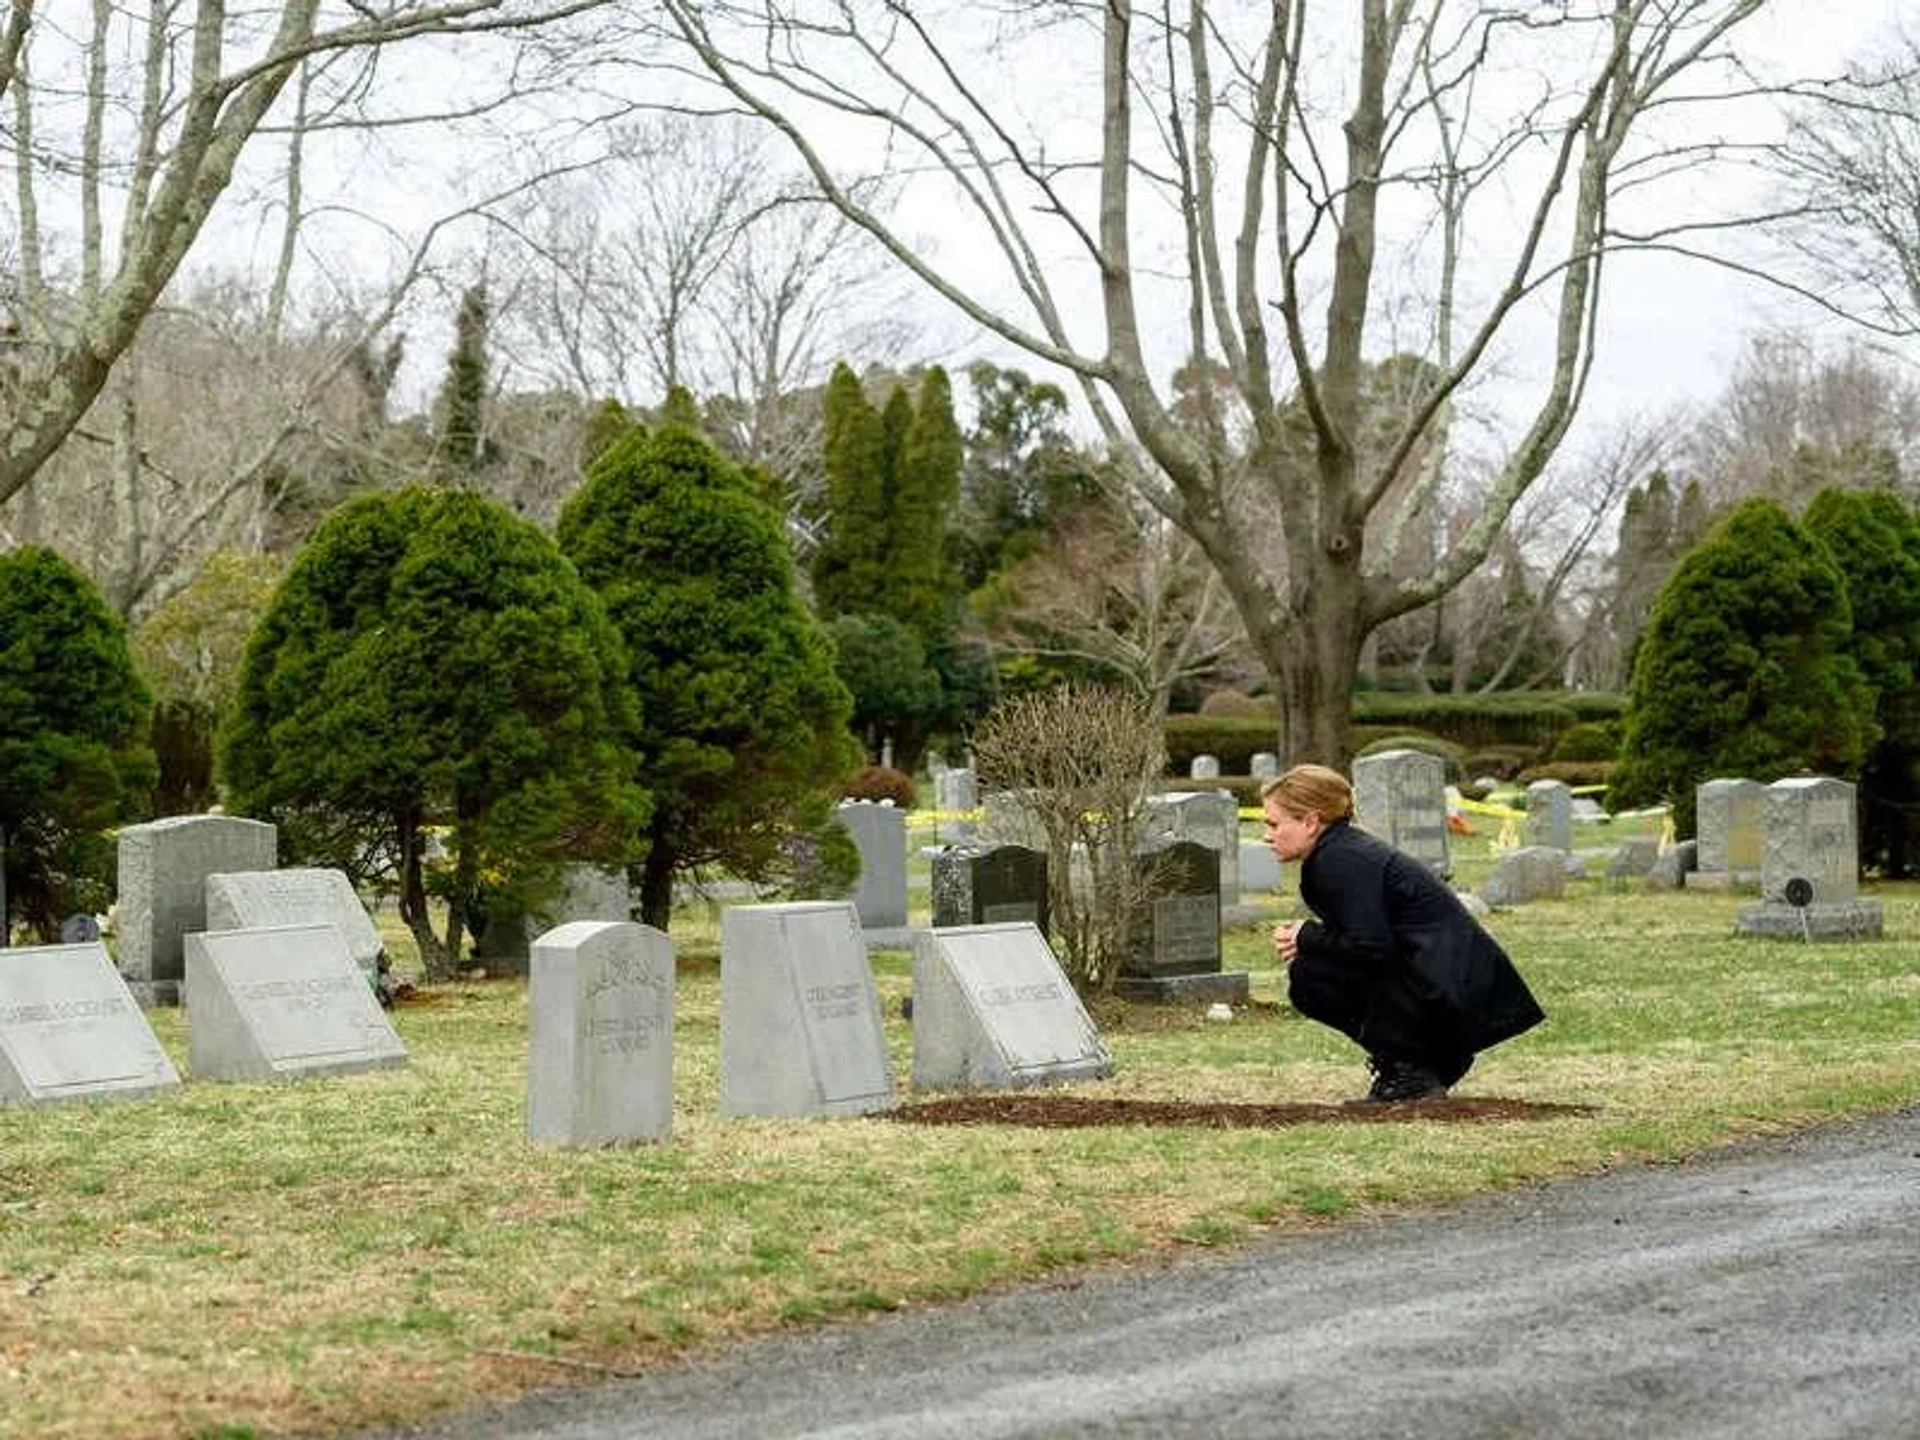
(1286, 941)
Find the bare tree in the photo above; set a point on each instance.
(1250, 173)
(162, 134)
(1852, 155)
(1078, 764)
(1125, 591)
(1789, 397)
(691, 256)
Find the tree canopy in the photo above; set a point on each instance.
(74, 757)
(1745, 668)
(432, 663)
(744, 738)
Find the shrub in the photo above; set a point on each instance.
(1744, 667)
(1503, 762)
(1238, 705)
(1576, 773)
(1589, 740)
(881, 782)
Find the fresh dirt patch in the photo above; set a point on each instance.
(1075, 1111)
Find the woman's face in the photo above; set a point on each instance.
(1289, 836)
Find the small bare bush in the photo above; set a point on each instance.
(1082, 761)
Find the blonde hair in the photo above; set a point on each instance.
(1312, 790)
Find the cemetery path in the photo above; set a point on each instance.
(1765, 1291)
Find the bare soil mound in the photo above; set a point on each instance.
(1069, 1111)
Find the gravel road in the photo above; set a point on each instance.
(1765, 1291)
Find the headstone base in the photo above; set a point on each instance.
(155, 994)
(1229, 985)
(1848, 920)
(1721, 880)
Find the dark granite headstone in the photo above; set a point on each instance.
(989, 885)
(1176, 951)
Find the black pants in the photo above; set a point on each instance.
(1382, 1013)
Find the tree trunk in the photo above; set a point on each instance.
(656, 880)
(434, 964)
(1315, 661)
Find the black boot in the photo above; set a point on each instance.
(1395, 1081)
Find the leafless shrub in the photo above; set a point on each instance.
(1082, 761)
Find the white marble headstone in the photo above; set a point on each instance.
(993, 1010)
(282, 1002)
(600, 1034)
(265, 899)
(70, 1029)
(800, 1028)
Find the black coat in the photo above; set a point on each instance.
(1388, 914)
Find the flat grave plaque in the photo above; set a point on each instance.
(279, 1002)
(993, 1010)
(71, 1029)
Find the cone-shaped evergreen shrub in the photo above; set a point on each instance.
(1744, 669)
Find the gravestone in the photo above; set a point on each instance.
(1550, 814)
(800, 1028)
(1264, 765)
(956, 797)
(70, 1029)
(1204, 767)
(989, 885)
(1010, 817)
(1532, 872)
(265, 899)
(1176, 953)
(281, 1003)
(163, 870)
(600, 1034)
(1673, 865)
(79, 929)
(1207, 817)
(1634, 858)
(880, 833)
(1259, 869)
(992, 1010)
(1401, 797)
(1728, 834)
(1810, 865)
(584, 892)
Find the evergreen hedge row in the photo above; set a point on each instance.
(1521, 721)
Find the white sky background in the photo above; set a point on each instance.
(1672, 330)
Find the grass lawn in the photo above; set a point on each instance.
(255, 1260)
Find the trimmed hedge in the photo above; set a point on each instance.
(1522, 725)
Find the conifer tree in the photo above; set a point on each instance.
(744, 740)
(1875, 542)
(74, 756)
(1744, 668)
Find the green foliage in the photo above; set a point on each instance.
(849, 567)
(883, 665)
(74, 756)
(744, 740)
(1588, 740)
(1571, 772)
(459, 444)
(1022, 471)
(432, 660)
(1235, 705)
(1744, 668)
(1875, 542)
(189, 650)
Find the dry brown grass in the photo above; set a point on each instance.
(236, 1260)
